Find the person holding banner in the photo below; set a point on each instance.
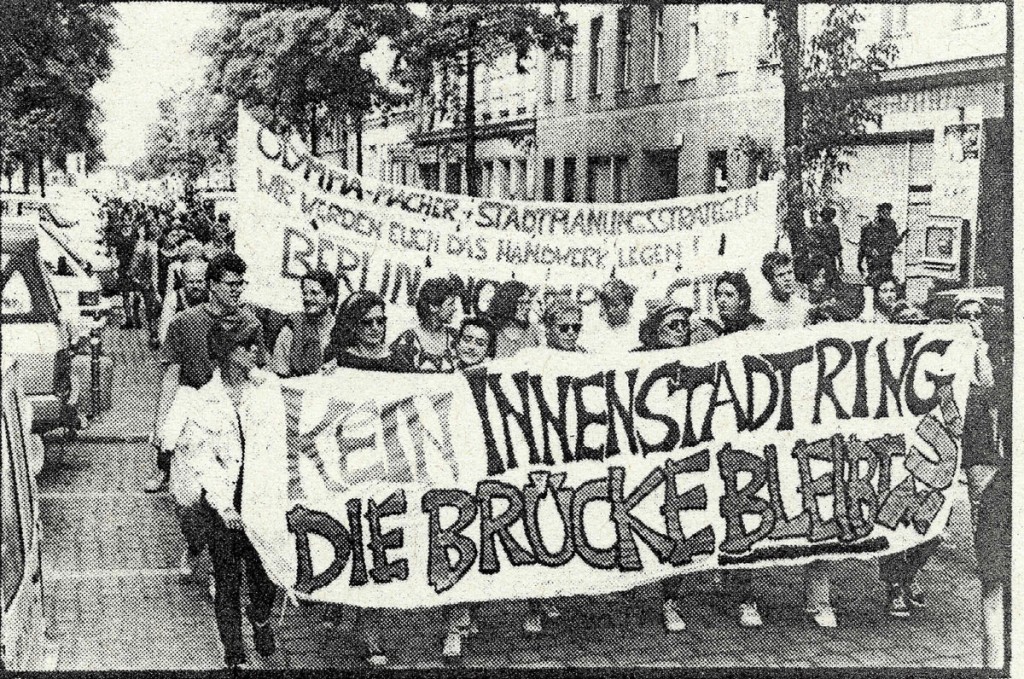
(359, 333)
(304, 344)
(785, 307)
(510, 313)
(211, 428)
(430, 346)
(475, 342)
(732, 297)
(563, 319)
(616, 325)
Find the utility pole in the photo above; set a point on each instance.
(787, 13)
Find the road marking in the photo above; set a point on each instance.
(99, 495)
(116, 573)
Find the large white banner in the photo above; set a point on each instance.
(296, 212)
(553, 474)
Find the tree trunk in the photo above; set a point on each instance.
(790, 54)
(359, 143)
(42, 174)
(472, 171)
(314, 132)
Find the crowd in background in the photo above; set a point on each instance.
(219, 348)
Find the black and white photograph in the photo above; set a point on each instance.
(621, 338)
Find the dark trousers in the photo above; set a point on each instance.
(195, 527)
(230, 551)
(901, 568)
(131, 299)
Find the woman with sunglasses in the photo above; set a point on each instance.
(563, 319)
(210, 430)
(667, 325)
(359, 334)
(358, 337)
(510, 313)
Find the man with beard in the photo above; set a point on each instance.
(304, 343)
(192, 292)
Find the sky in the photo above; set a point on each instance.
(155, 58)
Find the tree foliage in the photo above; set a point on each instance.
(453, 40)
(53, 54)
(194, 133)
(285, 62)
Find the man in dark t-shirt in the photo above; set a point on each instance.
(185, 354)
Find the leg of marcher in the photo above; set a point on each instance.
(993, 625)
(818, 593)
(671, 615)
(227, 573)
(740, 585)
(915, 559)
(262, 593)
(891, 571)
(457, 623)
(126, 307)
(369, 623)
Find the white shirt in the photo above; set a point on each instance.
(779, 315)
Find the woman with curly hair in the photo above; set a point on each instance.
(510, 313)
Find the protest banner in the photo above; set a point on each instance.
(554, 474)
(297, 212)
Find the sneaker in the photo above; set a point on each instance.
(915, 595)
(532, 624)
(551, 611)
(749, 617)
(671, 618)
(157, 482)
(452, 645)
(263, 639)
(897, 602)
(236, 660)
(824, 616)
(189, 563)
(377, 659)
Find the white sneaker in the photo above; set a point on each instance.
(749, 617)
(671, 617)
(377, 660)
(824, 617)
(551, 611)
(532, 624)
(452, 645)
(189, 564)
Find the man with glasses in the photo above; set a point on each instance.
(185, 356)
(563, 319)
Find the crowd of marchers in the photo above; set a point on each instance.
(225, 355)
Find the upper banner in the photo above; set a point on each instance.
(553, 474)
(296, 212)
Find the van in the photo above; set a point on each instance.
(23, 642)
(34, 331)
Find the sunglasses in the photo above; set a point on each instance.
(375, 321)
(677, 325)
(570, 327)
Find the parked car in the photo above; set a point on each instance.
(83, 235)
(23, 642)
(35, 332)
(79, 293)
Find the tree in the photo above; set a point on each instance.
(287, 63)
(456, 40)
(194, 133)
(825, 106)
(53, 55)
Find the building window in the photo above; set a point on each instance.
(624, 75)
(894, 20)
(504, 169)
(548, 185)
(766, 54)
(688, 53)
(430, 174)
(549, 80)
(569, 180)
(970, 15)
(657, 42)
(718, 171)
(619, 166)
(729, 47)
(570, 76)
(596, 56)
(453, 178)
(486, 179)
